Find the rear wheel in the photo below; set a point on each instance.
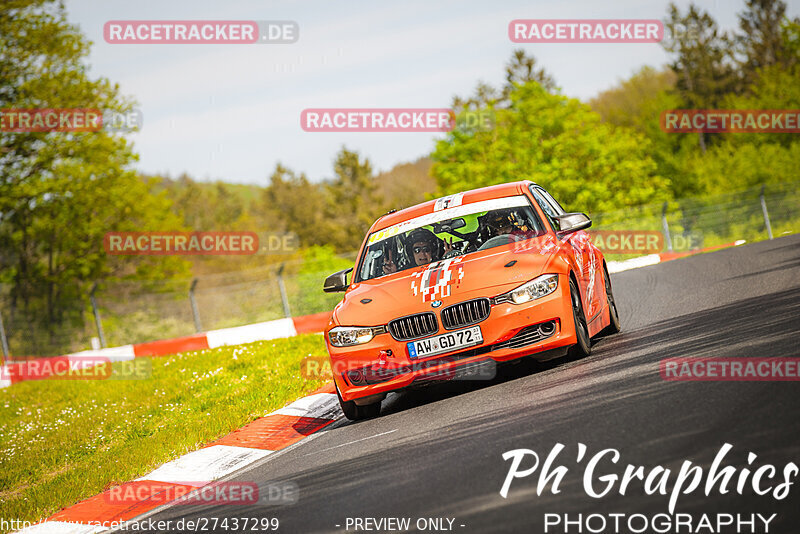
(354, 412)
(584, 345)
(614, 324)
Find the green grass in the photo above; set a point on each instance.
(64, 441)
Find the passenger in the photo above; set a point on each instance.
(504, 222)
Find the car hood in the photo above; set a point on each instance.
(481, 274)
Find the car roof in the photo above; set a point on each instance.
(473, 195)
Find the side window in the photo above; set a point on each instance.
(548, 210)
(550, 200)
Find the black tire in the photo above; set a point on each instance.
(354, 412)
(614, 326)
(584, 345)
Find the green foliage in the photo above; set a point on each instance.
(207, 206)
(520, 69)
(61, 192)
(559, 143)
(734, 166)
(637, 103)
(703, 57)
(353, 201)
(64, 441)
(406, 184)
(774, 86)
(305, 288)
(337, 212)
(761, 41)
(293, 204)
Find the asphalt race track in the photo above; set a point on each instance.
(437, 453)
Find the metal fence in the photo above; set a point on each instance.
(755, 214)
(124, 313)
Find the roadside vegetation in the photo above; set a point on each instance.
(60, 193)
(62, 441)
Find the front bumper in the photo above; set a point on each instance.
(509, 332)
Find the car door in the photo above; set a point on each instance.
(585, 254)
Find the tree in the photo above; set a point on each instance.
(520, 69)
(637, 103)
(60, 192)
(406, 184)
(293, 204)
(773, 87)
(761, 41)
(704, 59)
(354, 203)
(559, 143)
(750, 159)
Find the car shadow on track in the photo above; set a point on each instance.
(506, 372)
(448, 461)
(766, 326)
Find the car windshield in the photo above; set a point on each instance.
(448, 233)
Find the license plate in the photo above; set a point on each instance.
(445, 342)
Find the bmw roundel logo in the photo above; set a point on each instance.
(436, 303)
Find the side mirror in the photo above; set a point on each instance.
(572, 222)
(336, 281)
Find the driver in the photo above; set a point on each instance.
(503, 222)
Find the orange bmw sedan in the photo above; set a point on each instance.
(448, 288)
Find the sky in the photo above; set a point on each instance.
(231, 112)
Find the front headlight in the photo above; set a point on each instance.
(535, 289)
(347, 336)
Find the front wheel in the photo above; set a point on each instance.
(583, 347)
(354, 412)
(614, 325)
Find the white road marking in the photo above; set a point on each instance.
(351, 442)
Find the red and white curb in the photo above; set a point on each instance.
(13, 373)
(17, 372)
(654, 259)
(251, 443)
